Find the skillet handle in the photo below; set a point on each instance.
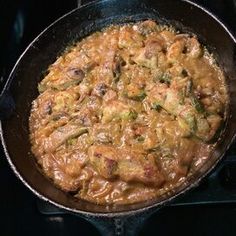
(120, 226)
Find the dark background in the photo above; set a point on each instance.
(20, 22)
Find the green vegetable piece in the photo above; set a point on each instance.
(197, 104)
(164, 78)
(67, 84)
(135, 93)
(59, 87)
(191, 120)
(156, 106)
(181, 97)
(140, 96)
(62, 134)
(186, 132)
(140, 138)
(71, 141)
(129, 115)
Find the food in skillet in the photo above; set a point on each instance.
(128, 113)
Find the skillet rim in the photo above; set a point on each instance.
(125, 212)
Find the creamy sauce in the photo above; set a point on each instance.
(126, 113)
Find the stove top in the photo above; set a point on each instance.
(210, 209)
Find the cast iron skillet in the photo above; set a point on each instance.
(28, 71)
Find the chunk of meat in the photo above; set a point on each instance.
(74, 76)
(65, 76)
(66, 182)
(64, 100)
(110, 95)
(116, 110)
(172, 101)
(168, 36)
(100, 89)
(153, 45)
(104, 159)
(141, 169)
(146, 59)
(85, 117)
(61, 135)
(194, 49)
(129, 165)
(157, 93)
(73, 164)
(182, 46)
(106, 133)
(151, 55)
(133, 91)
(151, 141)
(174, 52)
(43, 105)
(87, 111)
(146, 27)
(129, 38)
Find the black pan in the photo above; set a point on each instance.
(22, 83)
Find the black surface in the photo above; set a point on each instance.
(19, 212)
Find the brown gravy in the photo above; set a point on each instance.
(126, 113)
